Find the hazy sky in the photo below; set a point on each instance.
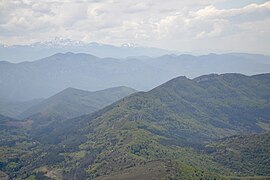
(183, 25)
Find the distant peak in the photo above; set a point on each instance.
(58, 42)
(180, 78)
(61, 54)
(5, 62)
(206, 77)
(71, 90)
(168, 56)
(212, 77)
(175, 83)
(69, 53)
(212, 54)
(72, 54)
(95, 44)
(129, 45)
(118, 88)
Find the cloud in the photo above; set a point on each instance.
(146, 22)
(212, 22)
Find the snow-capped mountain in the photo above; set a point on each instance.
(38, 50)
(58, 42)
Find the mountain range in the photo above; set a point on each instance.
(38, 50)
(182, 129)
(43, 78)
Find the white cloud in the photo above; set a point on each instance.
(167, 24)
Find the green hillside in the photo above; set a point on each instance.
(15, 108)
(73, 102)
(157, 134)
(246, 155)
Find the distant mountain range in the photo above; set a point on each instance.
(19, 53)
(43, 78)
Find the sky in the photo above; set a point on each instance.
(182, 25)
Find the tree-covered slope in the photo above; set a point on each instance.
(15, 108)
(246, 155)
(72, 102)
(165, 129)
(168, 122)
(15, 145)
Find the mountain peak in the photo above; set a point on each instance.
(129, 45)
(176, 84)
(178, 80)
(70, 56)
(72, 102)
(58, 42)
(71, 90)
(205, 78)
(64, 54)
